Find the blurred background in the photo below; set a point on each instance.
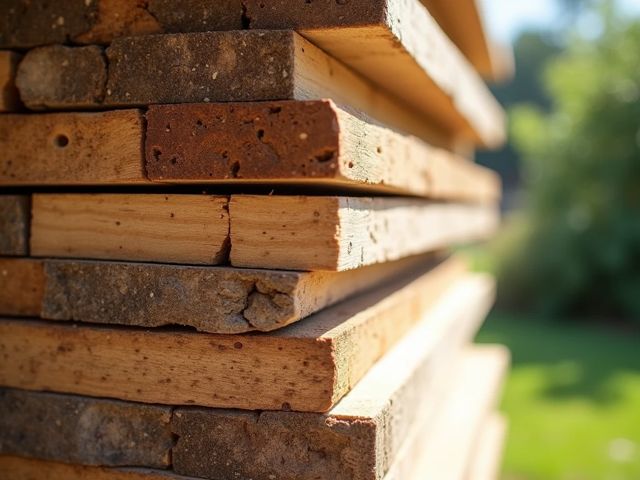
(568, 257)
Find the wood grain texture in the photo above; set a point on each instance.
(14, 224)
(341, 233)
(19, 468)
(82, 430)
(22, 282)
(32, 24)
(9, 96)
(399, 36)
(360, 437)
(307, 366)
(145, 227)
(487, 456)
(72, 148)
(309, 142)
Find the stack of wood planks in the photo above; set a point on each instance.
(226, 232)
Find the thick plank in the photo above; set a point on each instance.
(486, 459)
(36, 23)
(213, 67)
(89, 431)
(19, 468)
(312, 142)
(211, 299)
(14, 224)
(307, 366)
(341, 233)
(361, 436)
(145, 227)
(23, 285)
(399, 46)
(449, 443)
(9, 97)
(72, 148)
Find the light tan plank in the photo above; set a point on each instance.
(72, 148)
(145, 227)
(9, 97)
(308, 366)
(341, 233)
(486, 459)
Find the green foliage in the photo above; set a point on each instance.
(581, 161)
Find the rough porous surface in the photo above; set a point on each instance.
(284, 445)
(26, 24)
(259, 141)
(81, 430)
(218, 300)
(310, 14)
(197, 15)
(14, 224)
(62, 77)
(200, 68)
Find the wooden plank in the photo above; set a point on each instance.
(22, 291)
(14, 224)
(32, 24)
(360, 437)
(486, 459)
(341, 233)
(9, 96)
(211, 299)
(18, 468)
(145, 227)
(399, 36)
(72, 148)
(314, 143)
(213, 67)
(89, 431)
(307, 366)
(448, 448)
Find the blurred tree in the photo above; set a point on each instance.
(580, 249)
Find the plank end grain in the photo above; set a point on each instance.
(9, 96)
(15, 217)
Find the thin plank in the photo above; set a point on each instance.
(313, 142)
(307, 366)
(72, 148)
(23, 284)
(82, 430)
(448, 448)
(214, 67)
(399, 36)
(32, 24)
(14, 224)
(19, 468)
(144, 227)
(361, 436)
(486, 459)
(9, 96)
(341, 233)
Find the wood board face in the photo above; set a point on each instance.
(308, 366)
(211, 443)
(9, 96)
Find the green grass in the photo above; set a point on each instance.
(572, 399)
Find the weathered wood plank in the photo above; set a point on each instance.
(341, 233)
(82, 430)
(14, 224)
(213, 67)
(72, 148)
(313, 142)
(307, 366)
(486, 459)
(22, 283)
(360, 437)
(145, 227)
(37, 23)
(19, 468)
(399, 36)
(9, 96)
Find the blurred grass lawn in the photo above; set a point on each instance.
(572, 398)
